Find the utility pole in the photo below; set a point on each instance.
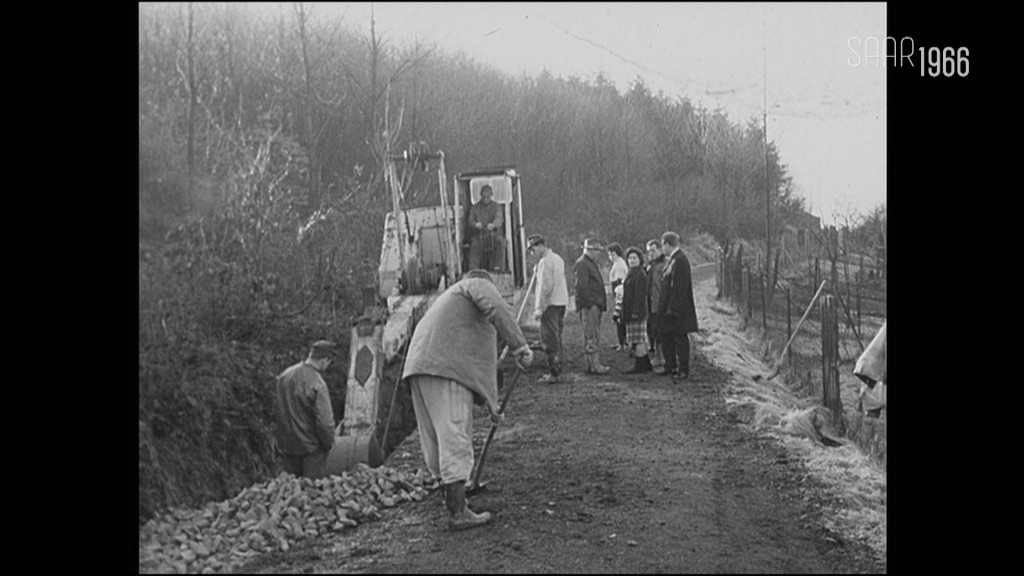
(767, 184)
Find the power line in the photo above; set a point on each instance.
(735, 94)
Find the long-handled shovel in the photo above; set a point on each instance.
(778, 362)
(474, 486)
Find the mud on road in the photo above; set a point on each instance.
(615, 473)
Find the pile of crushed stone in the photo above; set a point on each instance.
(272, 516)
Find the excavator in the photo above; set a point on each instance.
(425, 249)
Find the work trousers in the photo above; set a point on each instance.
(552, 321)
(312, 465)
(590, 318)
(676, 346)
(444, 417)
(487, 250)
(653, 335)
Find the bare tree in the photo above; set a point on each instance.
(192, 103)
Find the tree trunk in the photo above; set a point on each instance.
(192, 102)
(311, 139)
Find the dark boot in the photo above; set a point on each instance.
(460, 517)
(637, 366)
(554, 369)
(645, 363)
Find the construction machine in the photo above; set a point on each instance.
(425, 249)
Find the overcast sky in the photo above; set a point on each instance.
(826, 115)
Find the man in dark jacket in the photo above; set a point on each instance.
(590, 303)
(678, 312)
(305, 420)
(486, 226)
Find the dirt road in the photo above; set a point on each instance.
(616, 473)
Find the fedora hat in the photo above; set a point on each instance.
(590, 244)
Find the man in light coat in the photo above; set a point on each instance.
(552, 298)
(452, 358)
(305, 420)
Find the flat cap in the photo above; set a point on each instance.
(323, 349)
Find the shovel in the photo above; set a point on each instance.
(474, 486)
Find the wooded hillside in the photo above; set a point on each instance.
(261, 199)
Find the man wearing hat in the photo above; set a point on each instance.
(486, 242)
(451, 361)
(305, 420)
(552, 298)
(590, 303)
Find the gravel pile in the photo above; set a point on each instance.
(272, 516)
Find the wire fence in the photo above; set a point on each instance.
(818, 308)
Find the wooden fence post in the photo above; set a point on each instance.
(846, 272)
(718, 273)
(830, 362)
(859, 284)
(746, 287)
(737, 275)
(789, 325)
(763, 279)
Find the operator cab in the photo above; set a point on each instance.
(500, 251)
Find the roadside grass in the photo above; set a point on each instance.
(788, 407)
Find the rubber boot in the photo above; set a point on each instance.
(637, 366)
(595, 364)
(460, 517)
(655, 358)
(645, 363)
(554, 368)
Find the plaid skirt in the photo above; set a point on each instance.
(636, 333)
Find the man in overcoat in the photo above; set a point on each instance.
(678, 314)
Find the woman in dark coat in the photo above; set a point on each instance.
(634, 310)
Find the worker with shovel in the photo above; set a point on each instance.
(452, 358)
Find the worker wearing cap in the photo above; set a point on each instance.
(486, 242)
(305, 420)
(871, 369)
(552, 298)
(590, 303)
(452, 358)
